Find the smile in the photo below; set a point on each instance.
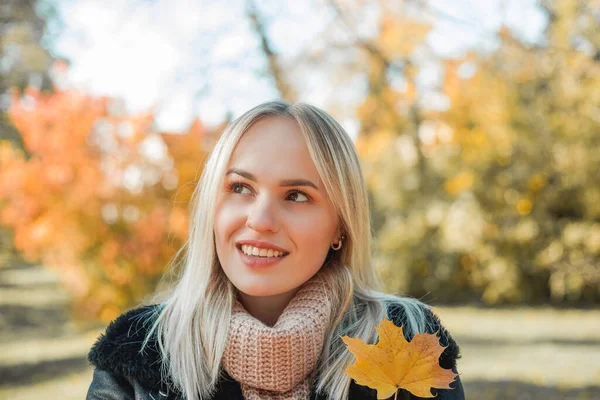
(257, 260)
(258, 252)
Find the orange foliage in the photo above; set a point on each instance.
(90, 200)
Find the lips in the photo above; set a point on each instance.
(256, 252)
(259, 262)
(261, 244)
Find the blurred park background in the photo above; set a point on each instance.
(477, 122)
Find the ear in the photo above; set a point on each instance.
(338, 235)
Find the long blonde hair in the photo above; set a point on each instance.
(190, 323)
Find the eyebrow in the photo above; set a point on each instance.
(285, 182)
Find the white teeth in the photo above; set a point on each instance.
(255, 251)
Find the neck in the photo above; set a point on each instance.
(266, 309)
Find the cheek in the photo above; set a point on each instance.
(314, 230)
(227, 221)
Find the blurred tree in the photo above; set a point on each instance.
(23, 61)
(274, 67)
(482, 183)
(94, 199)
(495, 195)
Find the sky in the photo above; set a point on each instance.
(188, 58)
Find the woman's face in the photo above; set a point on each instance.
(268, 197)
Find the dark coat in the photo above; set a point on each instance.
(122, 372)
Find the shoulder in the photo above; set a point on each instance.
(401, 312)
(119, 349)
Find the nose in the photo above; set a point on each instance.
(262, 215)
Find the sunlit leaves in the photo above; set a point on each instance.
(99, 200)
(400, 35)
(483, 199)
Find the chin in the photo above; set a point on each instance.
(255, 291)
(262, 289)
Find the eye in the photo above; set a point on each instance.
(297, 194)
(237, 187)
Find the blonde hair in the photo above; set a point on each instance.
(190, 323)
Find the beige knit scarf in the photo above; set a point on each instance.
(277, 362)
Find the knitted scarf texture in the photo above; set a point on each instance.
(277, 362)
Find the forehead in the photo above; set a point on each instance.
(274, 147)
(279, 132)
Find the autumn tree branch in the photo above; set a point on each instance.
(286, 91)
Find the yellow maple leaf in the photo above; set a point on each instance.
(393, 363)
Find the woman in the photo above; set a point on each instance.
(277, 269)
